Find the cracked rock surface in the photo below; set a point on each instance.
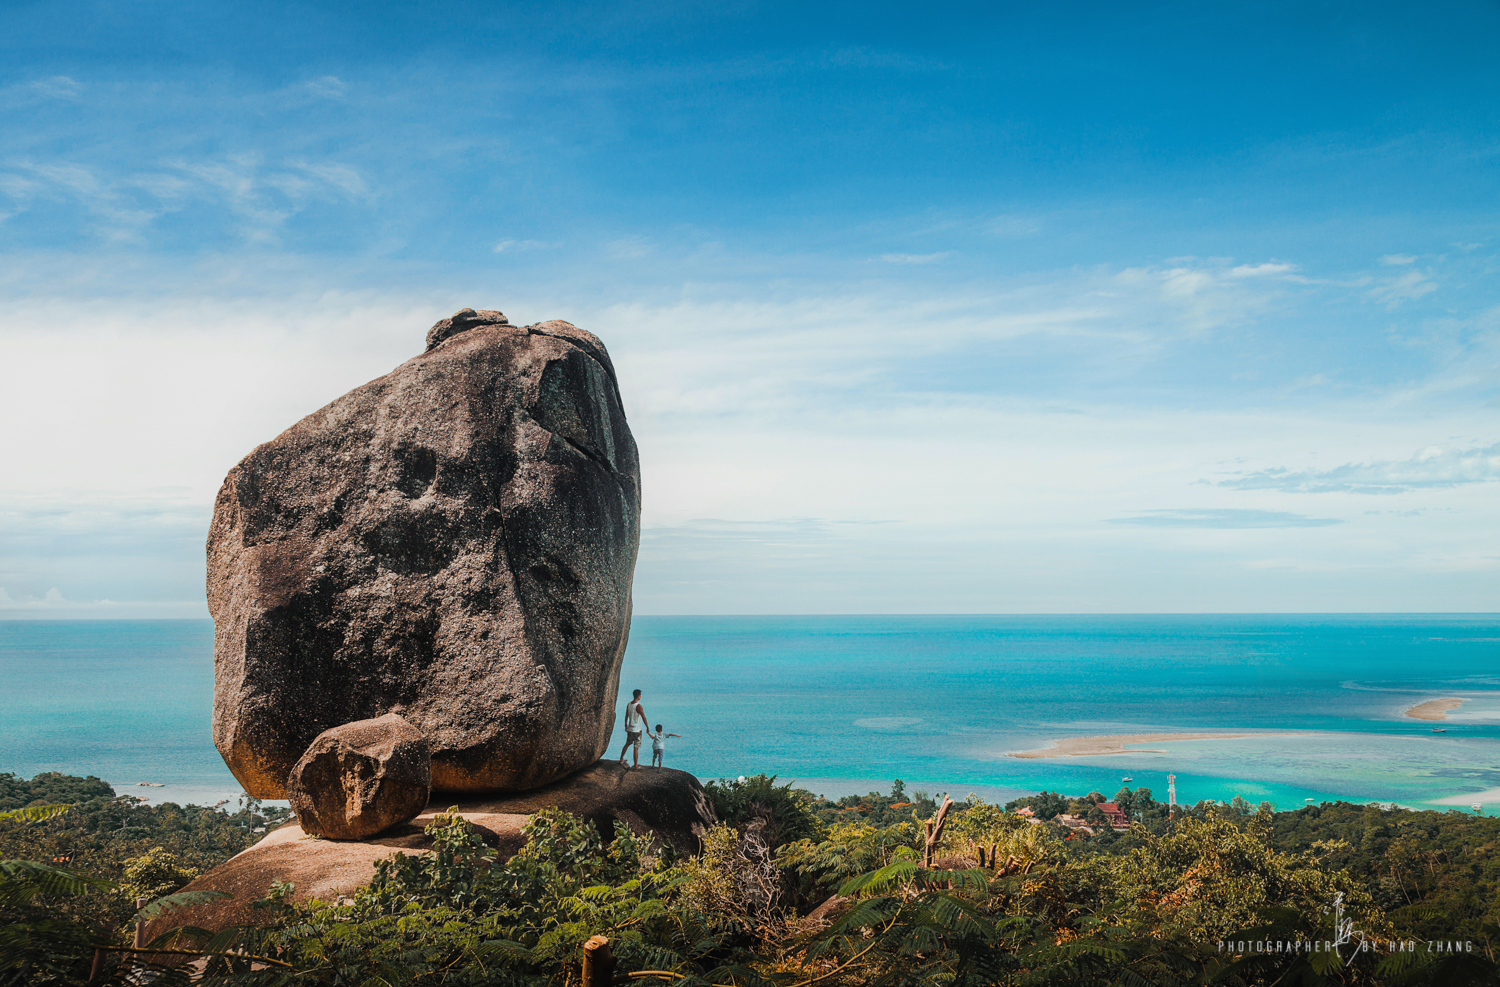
(453, 542)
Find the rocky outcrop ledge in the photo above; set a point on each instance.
(668, 805)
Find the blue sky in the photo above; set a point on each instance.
(1156, 307)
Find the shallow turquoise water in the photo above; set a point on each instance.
(127, 700)
(848, 703)
(939, 701)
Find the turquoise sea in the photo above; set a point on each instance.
(847, 703)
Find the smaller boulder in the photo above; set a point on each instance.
(360, 778)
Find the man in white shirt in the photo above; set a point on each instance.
(635, 722)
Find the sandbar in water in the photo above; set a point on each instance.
(1434, 709)
(1115, 744)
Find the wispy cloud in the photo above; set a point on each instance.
(327, 86)
(917, 258)
(1010, 225)
(1430, 469)
(632, 247)
(58, 87)
(1408, 287)
(333, 176)
(119, 213)
(39, 90)
(72, 524)
(519, 246)
(1266, 270)
(1224, 517)
(264, 198)
(53, 604)
(51, 600)
(124, 205)
(793, 530)
(1208, 294)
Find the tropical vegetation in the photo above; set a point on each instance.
(791, 890)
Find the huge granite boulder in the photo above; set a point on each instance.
(361, 778)
(453, 542)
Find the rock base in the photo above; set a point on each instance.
(668, 805)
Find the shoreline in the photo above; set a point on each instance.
(1434, 709)
(1098, 746)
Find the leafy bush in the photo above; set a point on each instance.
(785, 812)
(457, 917)
(851, 849)
(154, 874)
(999, 835)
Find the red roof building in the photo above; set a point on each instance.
(1116, 816)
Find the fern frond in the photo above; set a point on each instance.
(599, 892)
(896, 873)
(22, 880)
(504, 950)
(864, 914)
(172, 902)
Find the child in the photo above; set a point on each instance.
(659, 745)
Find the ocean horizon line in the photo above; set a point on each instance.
(20, 615)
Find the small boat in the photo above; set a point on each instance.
(1127, 778)
(1439, 730)
(149, 784)
(1309, 800)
